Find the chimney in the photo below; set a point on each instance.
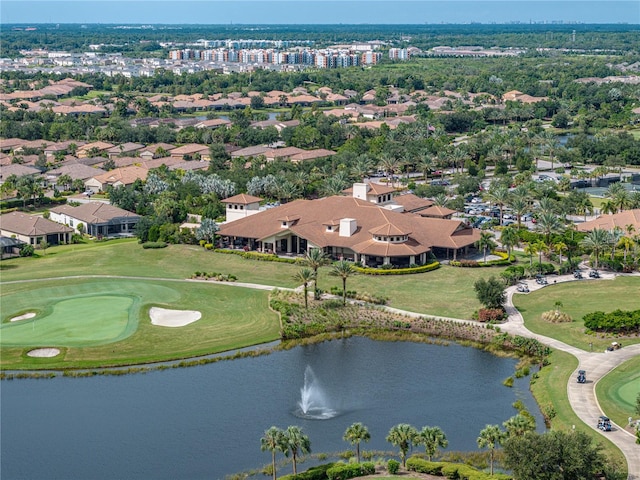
(360, 191)
(348, 226)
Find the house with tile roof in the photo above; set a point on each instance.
(123, 149)
(33, 229)
(613, 220)
(116, 177)
(241, 206)
(352, 228)
(99, 219)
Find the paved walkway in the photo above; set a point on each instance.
(582, 397)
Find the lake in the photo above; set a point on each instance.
(206, 422)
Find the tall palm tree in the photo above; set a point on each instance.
(484, 243)
(548, 223)
(425, 164)
(518, 425)
(315, 258)
(432, 438)
(491, 437)
(305, 276)
(343, 269)
(519, 206)
(355, 434)
(498, 195)
(540, 247)
(614, 237)
(273, 440)
(296, 443)
(509, 238)
(390, 164)
(626, 243)
(559, 248)
(596, 241)
(402, 436)
(529, 249)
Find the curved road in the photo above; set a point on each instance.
(582, 397)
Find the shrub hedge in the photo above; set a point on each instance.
(265, 257)
(617, 321)
(397, 271)
(344, 471)
(154, 245)
(451, 470)
(314, 473)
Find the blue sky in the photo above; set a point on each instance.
(318, 11)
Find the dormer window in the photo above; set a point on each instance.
(284, 224)
(329, 228)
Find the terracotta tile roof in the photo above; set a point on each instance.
(95, 212)
(189, 149)
(99, 145)
(250, 151)
(388, 230)
(282, 152)
(412, 203)
(315, 215)
(311, 155)
(125, 175)
(610, 221)
(76, 171)
(125, 147)
(30, 225)
(374, 189)
(437, 212)
(18, 170)
(242, 198)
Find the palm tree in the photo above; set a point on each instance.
(403, 436)
(432, 438)
(343, 269)
(548, 223)
(518, 425)
(491, 436)
(596, 241)
(305, 275)
(498, 195)
(626, 243)
(529, 249)
(509, 238)
(615, 236)
(355, 434)
(485, 243)
(540, 247)
(390, 164)
(440, 200)
(273, 440)
(315, 258)
(425, 164)
(519, 206)
(296, 443)
(560, 247)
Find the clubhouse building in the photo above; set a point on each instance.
(367, 227)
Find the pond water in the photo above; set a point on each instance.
(207, 421)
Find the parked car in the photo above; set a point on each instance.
(582, 376)
(604, 423)
(594, 274)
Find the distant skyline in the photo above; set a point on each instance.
(318, 11)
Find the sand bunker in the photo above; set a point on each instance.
(44, 352)
(173, 318)
(23, 317)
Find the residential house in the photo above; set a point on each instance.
(18, 170)
(191, 151)
(116, 177)
(307, 155)
(622, 220)
(156, 150)
(33, 229)
(10, 247)
(124, 149)
(93, 149)
(250, 151)
(98, 219)
(77, 171)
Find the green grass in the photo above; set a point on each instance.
(578, 299)
(232, 318)
(447, 291)
(550, 391)
(617, 391)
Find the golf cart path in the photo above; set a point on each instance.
(582, 397)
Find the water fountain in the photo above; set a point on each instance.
(313, 403)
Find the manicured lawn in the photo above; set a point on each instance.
(128, 258)
(550, 391)
(617, 392)
(579, 298)
(232, 317)
(447, 291)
